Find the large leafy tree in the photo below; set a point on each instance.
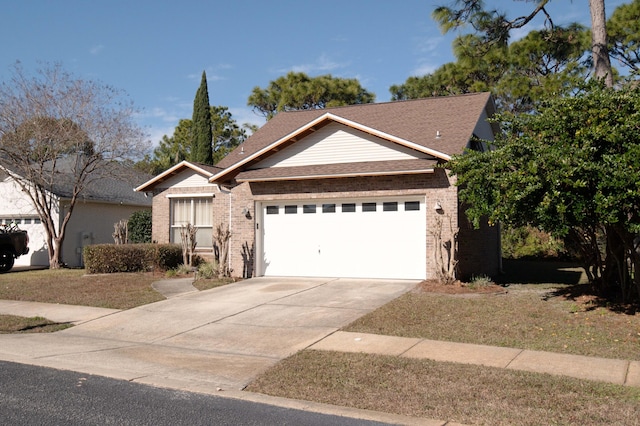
(226, 132)
(494, 27)
(201, 149)
(59, 133)
(519, 74)
(573, 170)
(623, 31)
(297, 91)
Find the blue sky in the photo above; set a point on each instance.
(156, 50)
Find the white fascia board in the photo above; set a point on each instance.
(169, 171)
(338, 119)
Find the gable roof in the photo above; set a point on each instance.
(413, 123)
(203, 169)
(112, 183)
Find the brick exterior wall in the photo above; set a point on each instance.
(479, 250)
(236, 207)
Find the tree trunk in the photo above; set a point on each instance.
(601, 60)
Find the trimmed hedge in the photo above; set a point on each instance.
(111, 258)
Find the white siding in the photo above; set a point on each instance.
(186, 179)
(336, 143)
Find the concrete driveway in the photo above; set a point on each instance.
(215, 339)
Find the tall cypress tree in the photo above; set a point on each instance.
(202, 135)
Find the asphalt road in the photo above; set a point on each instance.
(31, 395)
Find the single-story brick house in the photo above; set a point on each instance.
(352, 191)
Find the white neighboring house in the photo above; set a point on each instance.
(105, 202)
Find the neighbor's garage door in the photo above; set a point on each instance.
(360, 239)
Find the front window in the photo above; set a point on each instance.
(196, 211)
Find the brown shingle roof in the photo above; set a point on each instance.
(339, 170)
(416, 121)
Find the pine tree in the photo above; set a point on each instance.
(201, 149)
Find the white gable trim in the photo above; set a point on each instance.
(171, 171)
(330, 116)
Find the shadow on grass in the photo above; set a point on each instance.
(541, 272)
(575, 283)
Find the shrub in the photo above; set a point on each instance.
(208, 270)
(480, 281)
(168, 256)
(139, 227)
(111, 258)
(528, 242)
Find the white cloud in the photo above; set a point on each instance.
(156, 134)
(244, 115)
(322, 65)
(429, 44)
(423, 69)
(95, 50)
(213, 73)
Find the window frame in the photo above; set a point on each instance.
(202, 228)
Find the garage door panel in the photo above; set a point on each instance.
(363, 238)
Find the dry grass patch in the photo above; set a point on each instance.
(206, 284)
(74, 287)
(462, 393)
(16, 324)
(536, 317)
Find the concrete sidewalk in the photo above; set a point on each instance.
(57, 312)
(616, 371)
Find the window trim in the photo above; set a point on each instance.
(194, 195)
(192, 216)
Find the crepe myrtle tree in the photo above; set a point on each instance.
(58, 135)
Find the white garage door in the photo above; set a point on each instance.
(346, 238)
